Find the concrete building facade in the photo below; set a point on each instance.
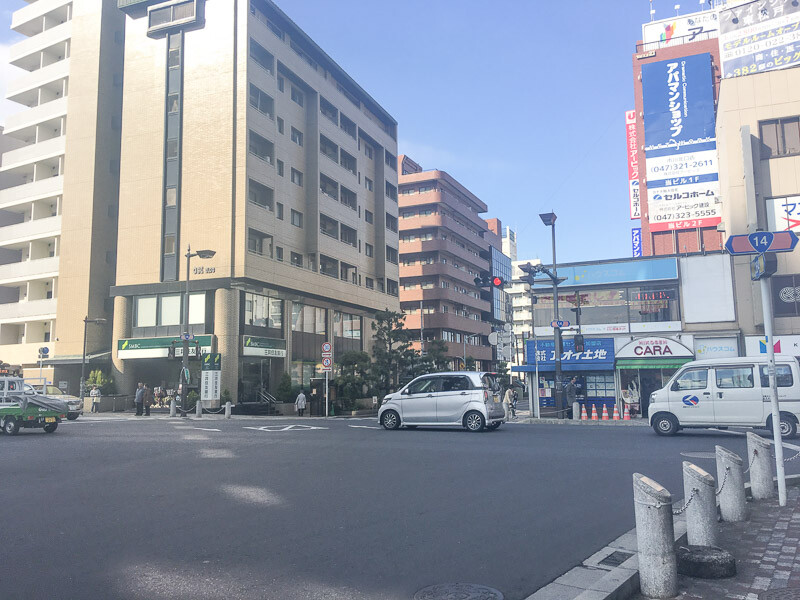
(241, 136)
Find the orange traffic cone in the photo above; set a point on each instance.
(594, 412)
(584, 416)
(626, 414)
(615, 417)
(605, 413)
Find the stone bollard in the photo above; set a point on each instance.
(759, 457)
(173, 410)
(198, 409)
(701, 511)
(576, 411)
(228, 409)
(732, 500)
(655, 535)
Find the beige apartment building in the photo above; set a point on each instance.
(444, 246)
(58, 205)
(241, 136)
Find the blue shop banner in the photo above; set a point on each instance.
(597, 355)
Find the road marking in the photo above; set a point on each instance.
(206, 429)
(249, 494)
(195, 438)
(216, 453)
(785, 444)
(183, 427)
(363, 427)
(285, 428)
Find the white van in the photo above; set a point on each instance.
(727, 392)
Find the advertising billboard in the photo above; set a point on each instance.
(636, 242)
(680, 30)
(680, 143)
(783, 214)
(759, 36)
(633, 164)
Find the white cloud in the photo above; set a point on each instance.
(7, 73)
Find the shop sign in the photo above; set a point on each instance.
(756, 345)
(679, 30)
(636, 242)
(211, 369)
(158, 347)
(654, 347)
(717, 347)
(633, 164)
(261, 346)
(785, 295)
(598, 353)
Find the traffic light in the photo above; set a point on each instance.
(579, 344)
(489, 281)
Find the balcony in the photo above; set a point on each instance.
(30, 230)
(30, 192)
(24, 124)
(437, 269)
(28, 19)
(443, 246)
(435, 221)
(437, 293)
(39, 268)
(21, 354)
(33, 310)
(449, 321)
(434, 197)
(26, 155)
(24, 53)
(23, 89)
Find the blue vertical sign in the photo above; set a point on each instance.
(636, 241)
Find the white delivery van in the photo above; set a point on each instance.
(727, 392)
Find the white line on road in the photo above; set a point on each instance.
(363, 427)
(276, 428)
(195, 438)
(785, 444)
(206, 429)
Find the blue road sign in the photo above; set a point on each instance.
(762, 241)
(559, 324)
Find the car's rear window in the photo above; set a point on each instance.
(491, 382)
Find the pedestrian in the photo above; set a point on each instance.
(508, 401)
(138, 399)
(300, 403)
(148, 400)
(95, 396)
(572, 392)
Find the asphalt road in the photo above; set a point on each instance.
(159, 508)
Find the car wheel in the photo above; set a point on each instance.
(665, 424)
(390, 420)
(10, 426)
(493, 426)
(72, 416)
(474, 421)
(50, 427)
(787, 427)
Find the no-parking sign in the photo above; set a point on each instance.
(327, 357)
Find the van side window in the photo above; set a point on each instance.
(734, 377)
(693, 379)
(424, 386)
(783, 376)
(455, 384)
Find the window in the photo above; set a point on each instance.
(368, 152)
(368, 217)
(328, 266)
(693, 379)
(259, 243)
(280, 83)
(328, 186)
(279, 211)
(171, 198)
(348, 161)
(172, 149)
(455, 384)
(734, 377)
(329, 110)
(146, 311)
(783, 376)
(780, 137)
(348, 198)
(297, 218)
(278, 253)
(197, 308)
(173, 103)
(261, 101)
(424, 386)
(391, 160)
(170, 310)
(391, 223)
(347, 125)
(262, 58)
(260, 195)
(391, 255)
(296, 259)
(176, 14)
(169, 244)
(369, 250)
(368, 183)
(391, 191)
(297, 96)
(369, 283)
(263, 311)
(297, 136)
(328, 226)
(349, 236)
(392, 288)
(280, 167)
(280, 125)
(261, 147)
(328, 148)
(297, 177)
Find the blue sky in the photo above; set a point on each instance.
(522, 101)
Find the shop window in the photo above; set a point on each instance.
(170, 310)
(197, 309)
(734, 377)
(651, 304)
(783, 376)
(263, 311)
(146, 308)
(693, 379)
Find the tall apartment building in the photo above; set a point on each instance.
(242, 136)
(510, 243)
(61, 199)
(444, 246)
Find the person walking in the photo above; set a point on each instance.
(572, 393)
(300, 403)
(95, 396)
(138, 399)
(508, 401)
(148, 400)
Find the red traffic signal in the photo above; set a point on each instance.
(488, 281)
(497, 282)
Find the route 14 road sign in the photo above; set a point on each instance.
(762, 241)
(559, 324)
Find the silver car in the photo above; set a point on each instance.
(73, 402)
(468, 399)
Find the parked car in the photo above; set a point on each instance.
(726, 392)
(469, 399)
(51, 391)
(21, 409)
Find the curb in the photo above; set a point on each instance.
(547, 421)
(595, 579)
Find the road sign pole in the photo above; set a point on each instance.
(327, 411)
(766, 302)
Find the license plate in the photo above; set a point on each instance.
(49, 419)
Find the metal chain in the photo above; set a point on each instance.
(661, 504)
(724, 479)
(792, 458)
(688, 502)
(755, 453)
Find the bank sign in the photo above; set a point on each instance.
(680, 144)
(266, 347)
(598, 354)
(158, 347)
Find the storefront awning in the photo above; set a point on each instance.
(651, 363)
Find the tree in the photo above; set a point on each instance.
(353, 376)
(102, 381)
(502, 370)
(284, 391)
(436, 351)
(392, 341)
(470, 365)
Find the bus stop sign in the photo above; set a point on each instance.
(762, 241)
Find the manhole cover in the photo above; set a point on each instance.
(699, 454)
(615, 559)
(784, 594)
(458, 591)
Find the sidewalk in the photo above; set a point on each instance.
(766, 552)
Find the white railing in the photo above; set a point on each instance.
(40, 77)
(40, 41)
(34, 153)
(30, 230)
(39, 114)
(30, 309)
(29, 269)
(30, 192)
(36, 10)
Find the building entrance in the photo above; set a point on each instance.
(256, 378)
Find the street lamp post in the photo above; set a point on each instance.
(185, 358)
(549, 219)
(86, 322)
(534, 408)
